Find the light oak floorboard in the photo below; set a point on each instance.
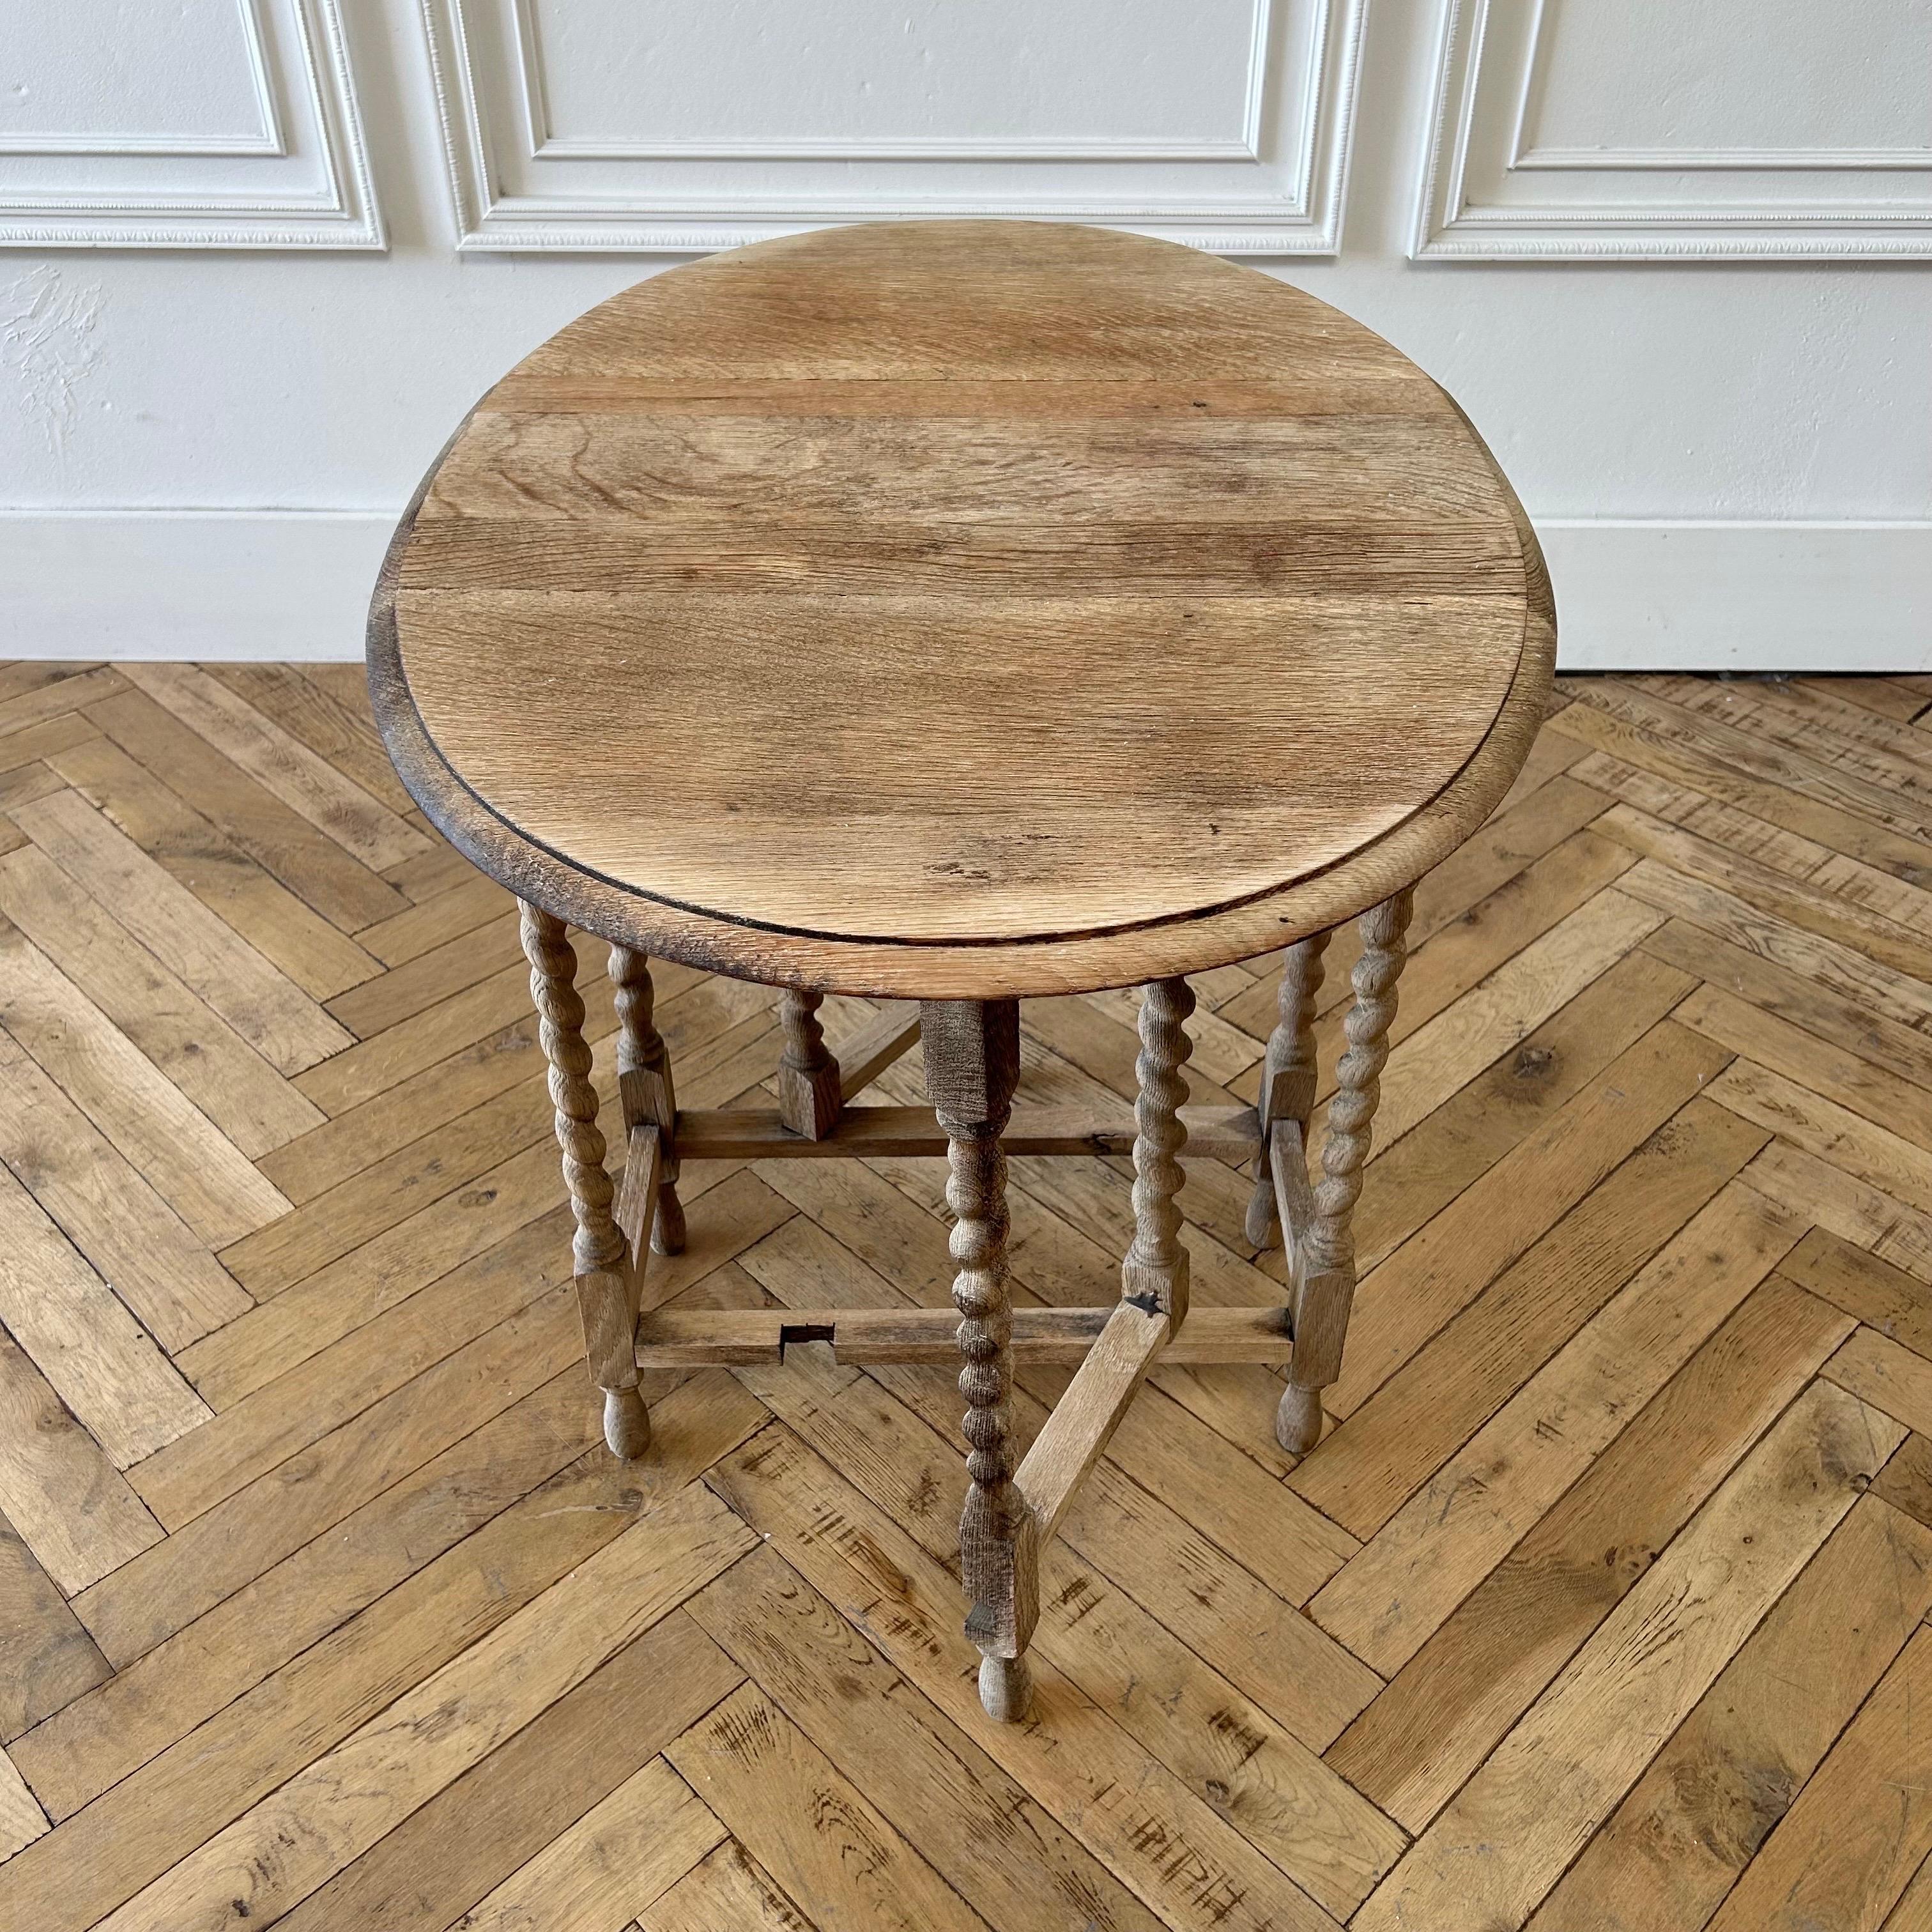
(1599, 1606)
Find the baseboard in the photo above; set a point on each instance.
(188, 584)
(1630, 596)
(1738, 596)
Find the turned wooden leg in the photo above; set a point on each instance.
(1288, 1073)
(972, 1064)
(643, 1074)
(1155, 1269)
(1324, 1269)
(809, 1093)
(606, 1285)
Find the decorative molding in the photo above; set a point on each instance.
(1489, 193)
(1630, 595)
(648, 196)
(303, 184)
(542, 144)
(267, 141)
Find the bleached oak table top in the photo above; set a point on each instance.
(961, 610)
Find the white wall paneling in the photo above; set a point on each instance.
(602, 124)
(1651, 129)
(1728, 458)
(208, 124)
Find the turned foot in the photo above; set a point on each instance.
(627, 1423)
(1006, 1688)
(1298, 1422)
(668, 1225)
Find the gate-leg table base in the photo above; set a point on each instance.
(972, 1066)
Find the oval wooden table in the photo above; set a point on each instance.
(951, 613)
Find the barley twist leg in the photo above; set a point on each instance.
(1288, 1073)
(643, 1073)
(1155, 1267)
(1325, 1267)
(972, 1061)
(604, 1295)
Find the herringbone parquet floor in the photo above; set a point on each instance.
(322, 1604)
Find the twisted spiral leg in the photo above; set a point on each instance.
(1325, 1269)
(810, 1096)
(604, 1296)
(643, 1074)
(976, 1192)
(1156, 1267)
(1288, 1073)
(972, 1063)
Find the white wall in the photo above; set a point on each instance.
(258, 259)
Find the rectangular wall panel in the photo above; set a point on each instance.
(691, 124)
(208, 124)
(1648, 130)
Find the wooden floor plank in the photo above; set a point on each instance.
(811, 1828)
(201, 1173)
(373, 1563)
(1889, 698)
(1815, 727)
(265, 1007)
(1818, 1123)
(637, 1843)
(1382, 1456)
(156, 1264)
(1677, 1844)
(1844, 969)
(1857, 1831)
(105, 1367)
(495, 1821)
(293, 1841)
(1830, 915)
(457, 1149)
(247, 1098)
(1869, 1289)
(472, 901)
(1455, 1046)
(1164, 1843)
(1890, 889)
(71, 1507)
(342, 735)
(729, 1888)
(47, 1659)
(22, 1820)
(1890, 1378)
(1393, 1594)
(1449, 1262)
(991, 1841)
(390, 997)
(373, 1630)
(232, 853)
(1790, 999)
(377, 1063)
(1495, 1655)
(1789, 765)
(1459, 1143)
(28, 707)
(1850, 1208)
(1694, 769)
(140, 1830)
(1509, 1834)
(334, 805)
(170, 1679)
